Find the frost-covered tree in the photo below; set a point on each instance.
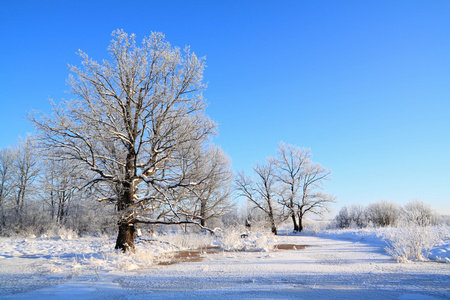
(383, 213)
(135, 123)
(211, 198)
(301, 183)
(356, 215)
(261, 190)
(291, 162)
(58, 185)
(343, 218)
(6, 185)
(25, 171)
(418, 213)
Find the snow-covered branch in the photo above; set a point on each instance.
(143, 220)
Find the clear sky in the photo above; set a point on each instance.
(364, 84)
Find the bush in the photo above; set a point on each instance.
(410, 241)
(383, 213)
(358, 215)
(419, 213)
(355, 216)
(343, 218)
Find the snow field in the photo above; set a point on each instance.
(347, 264)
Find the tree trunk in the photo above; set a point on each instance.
(272, 220)
(294, 220)
(272, 223)
(127, 230)
(126, 236)
(203, 212)
(300, 223)
(291, 206)
(274, 229)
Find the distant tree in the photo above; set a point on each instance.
(353, 216)
(343, 218)
(58, 186)
(291, 163)
(211, 198)
(25, 171)
(6, 185)
(135, 123)
(261, 190)
(383, 213)
(358, 215)
(419, 213)
(301, 181)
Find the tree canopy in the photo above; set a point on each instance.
(137, 124)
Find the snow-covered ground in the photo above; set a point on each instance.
(339, 265)
(437, 238)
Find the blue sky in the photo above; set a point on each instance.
(364, 84)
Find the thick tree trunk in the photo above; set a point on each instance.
(127, 230)
(274, 229)
(126, 236)
(272, 220)
(272, 223)
(203, 212)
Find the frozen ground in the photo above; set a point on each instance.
(329, 268)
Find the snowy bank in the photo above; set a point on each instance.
(438, 239)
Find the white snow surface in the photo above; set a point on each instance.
(372, 236)
(339, 265)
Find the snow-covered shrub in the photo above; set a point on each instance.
(355, 216)
(256, 218)
(419, 213)
(238, 239)
(383, 213)
(235, 238)
(343, 219)
(444, 220)
(59, 232)
(231, 237)
(410, 241)
(358, 215)
(314, 226)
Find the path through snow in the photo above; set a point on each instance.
(328, 269)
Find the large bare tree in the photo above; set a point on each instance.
(301, 182)
(291, 162)
(261, 190)
(135, 123)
